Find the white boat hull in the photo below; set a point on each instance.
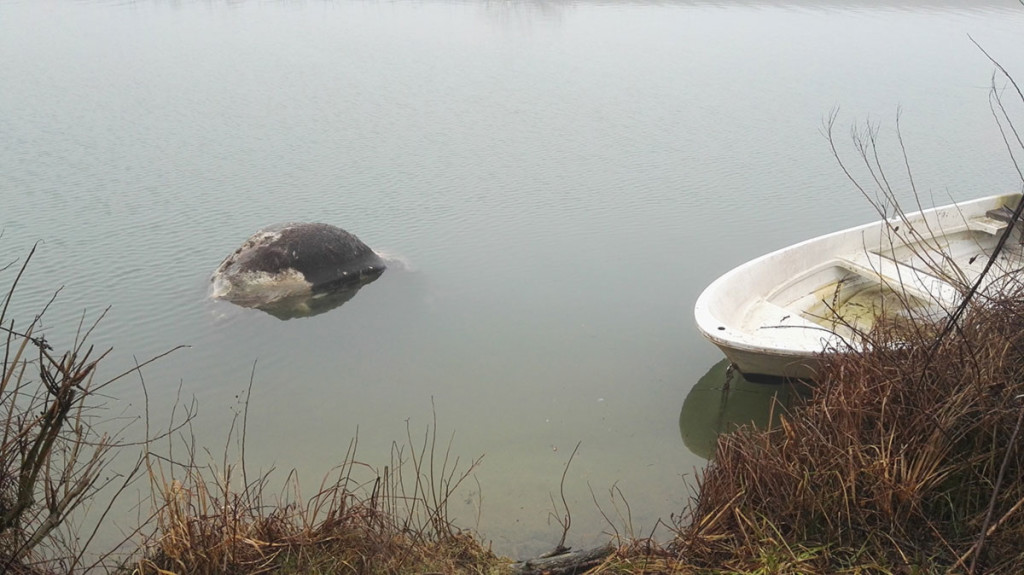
(774, 316)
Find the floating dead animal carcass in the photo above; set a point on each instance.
(296, 270)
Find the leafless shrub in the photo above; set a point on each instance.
(54, 458)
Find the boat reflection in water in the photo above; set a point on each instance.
(722, 401)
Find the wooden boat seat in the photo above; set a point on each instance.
(788, 328)
(991, 223)
(899, 276)
(764, 314)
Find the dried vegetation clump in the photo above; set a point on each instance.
(905, 458)
(214, 521)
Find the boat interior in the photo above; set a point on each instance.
(912, 271)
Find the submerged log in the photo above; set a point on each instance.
(568, 563)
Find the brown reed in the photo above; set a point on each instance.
(901, 458)
(210, 520)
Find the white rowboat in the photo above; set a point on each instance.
(774, 316)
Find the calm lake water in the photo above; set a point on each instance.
(560, 179)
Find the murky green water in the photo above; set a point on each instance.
(561, 180)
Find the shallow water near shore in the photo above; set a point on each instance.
(561, 180)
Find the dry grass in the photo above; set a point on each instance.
(903, 459)
(211, 519)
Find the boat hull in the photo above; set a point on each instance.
(770, 365)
